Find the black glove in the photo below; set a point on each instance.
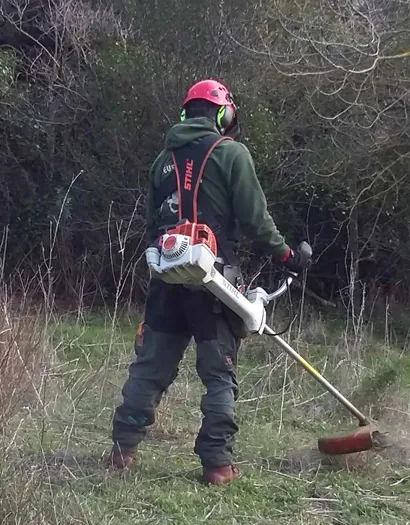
(299, 259)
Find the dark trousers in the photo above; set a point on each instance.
(173, 315)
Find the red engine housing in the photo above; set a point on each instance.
(198, 233)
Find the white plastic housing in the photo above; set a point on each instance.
(252, 313)
(183, 264)
(194, 264)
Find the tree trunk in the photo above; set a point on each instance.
(353, 250)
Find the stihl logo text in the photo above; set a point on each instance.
(230, 288)
(189, 166)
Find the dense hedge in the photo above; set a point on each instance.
(88, 89)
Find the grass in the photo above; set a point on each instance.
(52, 461)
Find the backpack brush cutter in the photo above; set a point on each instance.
(186, 255)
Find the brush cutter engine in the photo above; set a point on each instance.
(184, 255)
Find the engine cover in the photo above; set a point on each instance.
(180, 262)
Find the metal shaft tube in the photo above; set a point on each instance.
(313, 372)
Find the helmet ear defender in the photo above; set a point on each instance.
(224, 117)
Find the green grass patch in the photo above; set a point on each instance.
(52, 462)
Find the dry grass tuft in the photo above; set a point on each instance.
(22, 343)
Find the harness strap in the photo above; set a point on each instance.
(189, 163)
(192, 159)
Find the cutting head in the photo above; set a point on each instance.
(364, 438)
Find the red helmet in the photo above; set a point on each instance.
(210, 90)
(215, 92)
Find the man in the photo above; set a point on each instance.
(205, 176)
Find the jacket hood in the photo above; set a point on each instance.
(191, 129)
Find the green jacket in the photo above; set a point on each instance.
(229, 180)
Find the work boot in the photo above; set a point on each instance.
(121, 457)
(220, 475)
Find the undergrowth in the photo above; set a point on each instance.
(54, 444)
